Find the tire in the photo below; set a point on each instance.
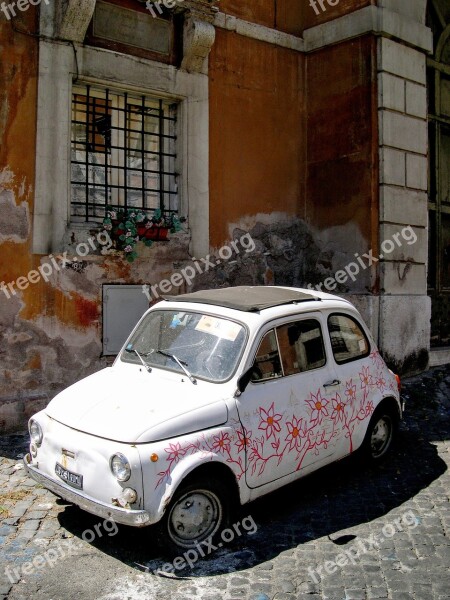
(199, 510)
(381, 434)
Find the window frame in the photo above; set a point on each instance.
(274, 326)
(58, 73)
(116, 153)
(362, 329)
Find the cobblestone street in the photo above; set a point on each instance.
(393, 521)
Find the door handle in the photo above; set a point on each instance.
(331, 383)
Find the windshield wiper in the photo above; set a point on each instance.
(181, 363)
(148, 367)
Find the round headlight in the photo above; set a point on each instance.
(35, 432)
(120, 467)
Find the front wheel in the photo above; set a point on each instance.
(381, 434)
(198, 511)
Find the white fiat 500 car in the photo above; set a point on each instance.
(216, 398)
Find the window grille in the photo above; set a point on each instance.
(123, 153)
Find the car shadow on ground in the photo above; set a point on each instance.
(336, 498)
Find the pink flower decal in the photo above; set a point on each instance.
(318, 405)
(338, 409)
(380, 382)
(366, 378)
(350, 391)
(269, 421)
(174, 452)
(221, 442)
(295, 434)
(244, 439)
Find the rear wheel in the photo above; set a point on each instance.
(198, 511)
(381, 434)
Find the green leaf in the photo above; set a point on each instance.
(130, 258)
(148, 243)
(122, 238)
(131, 241)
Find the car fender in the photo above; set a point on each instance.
(186, 467)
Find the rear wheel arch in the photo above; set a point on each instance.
(381, 430)
(390, 403)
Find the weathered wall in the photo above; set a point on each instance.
(257, 132)
(50, 331)
(342, 153)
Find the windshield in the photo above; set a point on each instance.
(208, 346)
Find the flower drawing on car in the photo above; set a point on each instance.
(222, 442)
(338, 414)
(244, 440)
(366, 378)
(318, 405)
(270, 422)
(174, 452)
(350, 391)
(295, 433)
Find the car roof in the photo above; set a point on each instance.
(248, 298)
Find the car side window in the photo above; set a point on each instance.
(348, 340)
(301, 346)
(267, 363)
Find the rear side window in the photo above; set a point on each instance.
(348, 339)
(301, 346)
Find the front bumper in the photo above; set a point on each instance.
(135, 518)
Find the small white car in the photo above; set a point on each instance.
(216, 398)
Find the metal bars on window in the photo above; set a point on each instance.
(123, 153)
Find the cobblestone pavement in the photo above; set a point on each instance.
(394, 520)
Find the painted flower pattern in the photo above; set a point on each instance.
(380, 382)
(270, 422)
(316, 423)
(337, 413)
(366, 378)
(244, 439)
(222, 442)
(318, 405)
(174, 452)
(294, 436)
(350, 391)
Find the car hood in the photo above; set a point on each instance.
(137, 407)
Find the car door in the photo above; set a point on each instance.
(287, 408)
(364, 376)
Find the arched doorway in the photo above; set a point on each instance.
(439, 198)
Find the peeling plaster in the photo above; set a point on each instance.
(290, 252)
(15, 222)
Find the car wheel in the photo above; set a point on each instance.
(381, 434)
(198, 511)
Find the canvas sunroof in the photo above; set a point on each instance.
(246, 298)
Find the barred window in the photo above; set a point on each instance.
(123, 153)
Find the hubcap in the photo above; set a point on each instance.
(381, 436)
(194, 517)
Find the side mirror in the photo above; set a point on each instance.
(245, 379)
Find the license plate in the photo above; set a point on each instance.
(70, 478)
